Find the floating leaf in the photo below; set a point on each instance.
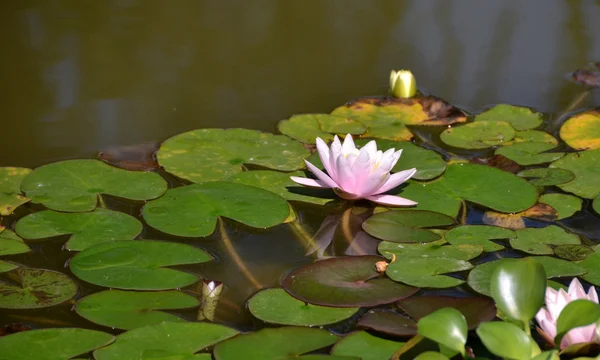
(520, 118)
(426, 272)
(278, 307)
(575, 314)
(87, 229)
(168, 340)
(479, 235)
(137, 264)
(596, 204)
(365, 346)
(6, 266)
(74, 185)
(193, 210)
(388, 322)
(506, 340)
(139, 157)
(429, 250)
(129, 310)
(533, 135)
(11, 244)
(573, 252)
(582, 131)
(274, 344)
(530, 153)
(547, 176)
(478, 135)
(592, 265)
(498, 162)
(216, 154)
(307, 127)
(10, 189)
(537, 240)
(431, 196)
(585, 165)
(406, 226)
(559, 268)
(516, 221)
(35, 288)
(52, 344)
(344, 282)
(446, 326)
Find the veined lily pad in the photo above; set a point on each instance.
(573, 252)
(479, 235)
(193, 210)
(11, 244)
(429, 250)
(478, 135)
(529, 153)
(137, 264)
(365, 346)
(547, 176)
(271, 344)
(307, 127)
(35, 288)
(344, 282)
(87, 229)
(565, 205)
(168, 340)
(52, 344)
(278, 307)
(388, 322)
(427, 272)
(586, 167)
(537, 240)
(215, 154)
(10, 189)
(74, 185)
(520, 118)
(582, 131)
(129, 310)
(406, 226)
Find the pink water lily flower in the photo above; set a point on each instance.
(358, 174)
(555, 303)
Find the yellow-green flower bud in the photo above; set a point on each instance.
(403, 84)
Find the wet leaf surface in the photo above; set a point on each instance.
(427, 272)
(520, 118)
(478, 135)
(547, 176)
(365, 346)
(565, 205)
(10, 189)
(409, 226)
(11, 244)
(582, 131)
(307, 127)
(586, 167)
(431, 196)
(429, 250)
(479, 235)
(537, 240)
(530, 153)
(573, 252)
(28, 288)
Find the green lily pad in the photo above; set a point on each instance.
(573, 252)
(87, 229)
(479, 235)
(272, 344)
(215, 154)
(192, 210)
(520, 118)
(429, 250)
(74, 185)
(281, 184)
(406, 226)
(530, 153)
(129, 310)
(586, 167)
(10, 189)
(533, 135)
(388, 322)
(35, 288)
(167, 340)
(431, 196)
(276, 306)
(6, 266)
(137, 264)
(365, 346)
(447, 327)
(582, 131)
(592, 265)
(52, 344)
(344, 282)
(596, 204)
(537, 240)
(307, 127)
(547, 176)
(478, 135)
(506, 340)
(565, 205)
(11, 244)
(426, 272)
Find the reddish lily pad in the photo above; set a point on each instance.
(344, 282)
(408, 226)
(35, 288)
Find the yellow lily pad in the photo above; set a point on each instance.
(582, 131)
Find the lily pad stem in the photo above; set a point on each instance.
(346, 225)
(302, 234)
(236, 257)
(101, 202)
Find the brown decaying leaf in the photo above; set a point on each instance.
(135, 157)
(13, 328)
(538, 211)
(499, 162)
(587, 77)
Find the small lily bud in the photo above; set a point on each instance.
(403, 84)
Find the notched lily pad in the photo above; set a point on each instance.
(582, 131)
(87, 229)
(520, 118)
(479, 235)
(192, 210)
(565, 205)
(10, 189)
(215, 154)
(586, 167)
(74, 185)
(427, 272)
(408, 226)
(137, 264)
(344, 282)
(478, 135)
(547, 176)
(530, 153)
(429, 250)
(537, 240)
(307, 127)
(11, 244)
(28, 288)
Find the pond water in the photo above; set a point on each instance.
(81, 77)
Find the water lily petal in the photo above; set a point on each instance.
(576, 290)
(321, 175)
(370, 148)
(309, 182)
(546, 322)
(372, 183)
(323, 151)
(391, 200)
(388, 160)
(345, 178)
(592, 294)
(348, 146)
(397, 179)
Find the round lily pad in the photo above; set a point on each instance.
(167, 340)
(137, 264)
(533, 135)
(87, 229)
(530, 153)
(10, 189)
(365, 346)
(279, 343)
(406, 226)
(478, 135)
(429, 250)
(426, 272)
(537, 240)
(586, 167)
(479, 235)
(573, 252)
(52, 344)
(11, 244)
(307, 127)
(74, 185)
(520, 118)
(192, 210)
(129, 310)
(431, 196)
(388, 322)
(215, 154)
(344, 282)
(565, 205)
(547, 176)
(278, 307)
(582, 131)
(35, 288)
